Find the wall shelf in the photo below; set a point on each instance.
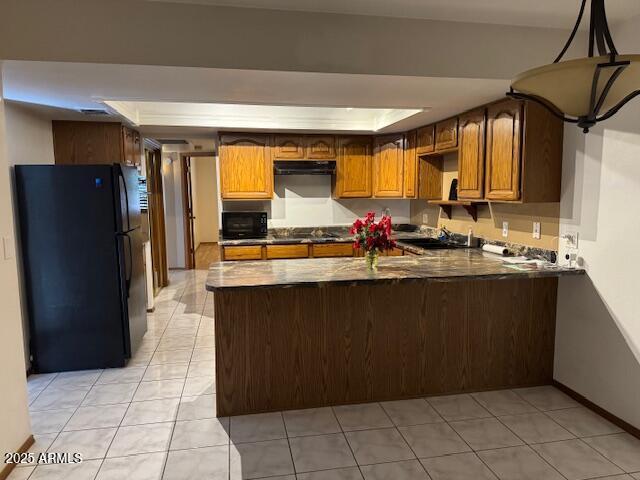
(471, 206)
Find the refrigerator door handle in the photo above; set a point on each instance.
(126, 193)
(129, 273)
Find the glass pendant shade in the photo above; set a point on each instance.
(587, 90)
(567, 85)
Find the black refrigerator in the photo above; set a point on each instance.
(80, 236)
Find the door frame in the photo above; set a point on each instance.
(187, 205)
(157, 229)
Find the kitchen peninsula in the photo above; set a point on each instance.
(314, 332)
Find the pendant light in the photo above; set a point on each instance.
(586, 90)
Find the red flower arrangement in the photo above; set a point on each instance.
(371, 236)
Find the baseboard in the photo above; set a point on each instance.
(627, 427)
(8, 468)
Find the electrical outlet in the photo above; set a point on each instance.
(536, 230)
(425, 218)
(571, 239)
(505, 229)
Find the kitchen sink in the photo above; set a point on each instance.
(430, 243)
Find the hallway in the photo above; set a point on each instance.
(206, 254)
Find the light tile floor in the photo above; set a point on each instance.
(155, 419)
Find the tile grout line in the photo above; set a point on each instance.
(129, 404)
(402, 436)
(286, 432)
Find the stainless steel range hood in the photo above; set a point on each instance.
(306, 167)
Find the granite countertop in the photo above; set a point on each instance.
(333, 234)
(431, 265)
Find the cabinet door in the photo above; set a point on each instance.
(320, 250)
(471, 155)
(447, 134)
(249, 252)
(287, 251)
(426, 139)
(388, 166)
(321, 147)
(503, 151)
(353, 168)
(410, 166)
(288, 147)
(127, 136)
(137, 151)
(87, 143)
(246, 168)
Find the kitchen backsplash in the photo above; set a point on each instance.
(305, 201)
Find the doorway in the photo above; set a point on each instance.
(200, 208)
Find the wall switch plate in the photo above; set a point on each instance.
(425, 218)
(8, 249)
(536, 230)
(505, 229)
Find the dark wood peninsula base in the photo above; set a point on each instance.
(299, 347)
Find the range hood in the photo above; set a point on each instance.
(305, 167)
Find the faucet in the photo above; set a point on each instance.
(444, 234)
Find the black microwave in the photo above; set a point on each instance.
(244, 225)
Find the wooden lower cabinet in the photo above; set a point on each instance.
(394, 252)
(332, 250)
(242, 252)
(293, 250)
(287, 251)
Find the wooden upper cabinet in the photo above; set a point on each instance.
(321, 147)
(447, 134)
(388, 166)
(131, 146)
(426, 140)
(353, 168)
(246, 167)
(288, 147)
(503, 155)
(471, 155)
(410, 166)
(91, 143)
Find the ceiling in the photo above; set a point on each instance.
(276, 117)
(538, 13)
(64, 88)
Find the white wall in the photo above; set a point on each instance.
(29, 141)
(174, 226)
(598, 323)
(205, 199)
(305, 201)
(14, 416)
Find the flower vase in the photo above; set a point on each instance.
(372, 260)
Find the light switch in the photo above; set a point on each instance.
(425, 218)
(505, 229)
(536, 230)
(8, 248)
